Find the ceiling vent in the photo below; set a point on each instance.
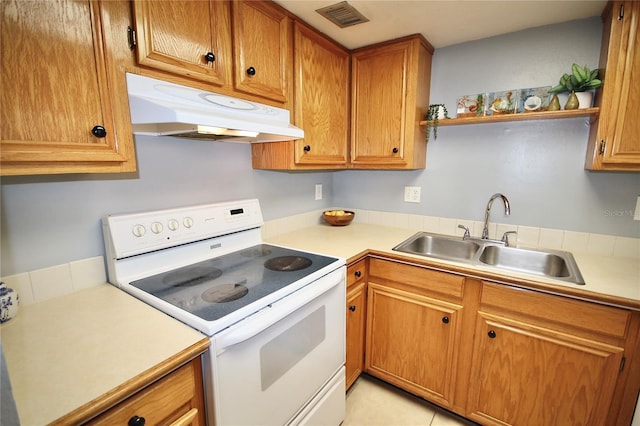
(342, 14)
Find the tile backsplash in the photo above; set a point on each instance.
(46, 283)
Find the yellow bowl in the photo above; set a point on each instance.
(338, 217)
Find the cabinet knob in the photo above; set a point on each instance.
(445, 320)
(358, 274)
(352, 308)
(210, 57)
(307, 148)
(491, 334)
(251, 71)
(99, 131)
(395, 150)
(136, 421)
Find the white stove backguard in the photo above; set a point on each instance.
(139, 244)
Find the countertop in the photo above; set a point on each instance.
(610, 280)
(73, 356)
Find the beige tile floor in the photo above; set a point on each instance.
(373, 402)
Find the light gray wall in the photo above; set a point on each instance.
(539, 165)
(52, 220)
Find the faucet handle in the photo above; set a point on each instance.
(466, 232)
(505, 237)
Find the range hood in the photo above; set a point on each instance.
(160, 108)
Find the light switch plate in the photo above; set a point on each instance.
(318, 191)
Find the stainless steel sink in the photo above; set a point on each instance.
(439, 246)
(547, 263)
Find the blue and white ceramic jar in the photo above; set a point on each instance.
(9, 303)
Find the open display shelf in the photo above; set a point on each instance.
(545, 115)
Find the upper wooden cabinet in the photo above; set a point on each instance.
(61, 100)
(262, 49)
(614, 142)
(390, 91)
(321, 105)
(187, 38)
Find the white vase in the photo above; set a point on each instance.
(585, 99)
(441, 114)
(9, 303)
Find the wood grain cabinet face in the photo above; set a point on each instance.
(321, 99)
(176, 399)
(58, 112)
(321, 102)
(262, 49)
(534, 363)
(390, 91)
(412, 334)
(186, 38)
(614, 143)
(356, 315)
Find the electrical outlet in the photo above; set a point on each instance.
(412, 194)
(318, 191)
(636, 214)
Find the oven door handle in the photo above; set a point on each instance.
(275, 312)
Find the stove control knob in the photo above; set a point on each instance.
(187, 222)
(173, 224)
(156, 227)
(139, 231)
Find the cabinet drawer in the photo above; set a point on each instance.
(575, 314)
(167, 401)
(356, 272)
(423, 278)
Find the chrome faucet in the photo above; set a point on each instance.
(507, 212)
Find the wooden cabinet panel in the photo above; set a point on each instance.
(321, 101)
(614, 142)
(412, 341)
(524, 375)
(385, 117)
(176, 399)
(188, 38)
(356, 314)
(262, 49)
(542, 359)
(58, 112)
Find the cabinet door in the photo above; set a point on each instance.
(262, 49)
(616, 145)
(321, 99)
(188, 38)
(411, 341)
(56, 107)
(385, 117)
(526, 375)
(355, 332)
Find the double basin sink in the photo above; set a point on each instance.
(547, 263)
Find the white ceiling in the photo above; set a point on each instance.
(442, 22)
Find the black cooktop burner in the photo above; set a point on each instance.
(287, 263)
(224, 293)
(190, 276)
(216, 287)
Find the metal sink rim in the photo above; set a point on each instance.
(574, 276)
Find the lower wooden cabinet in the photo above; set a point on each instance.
(356, 314)
(538, 359)
(177, 400)
(413, 329)
(499, 354)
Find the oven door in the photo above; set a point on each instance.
(268, 367)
